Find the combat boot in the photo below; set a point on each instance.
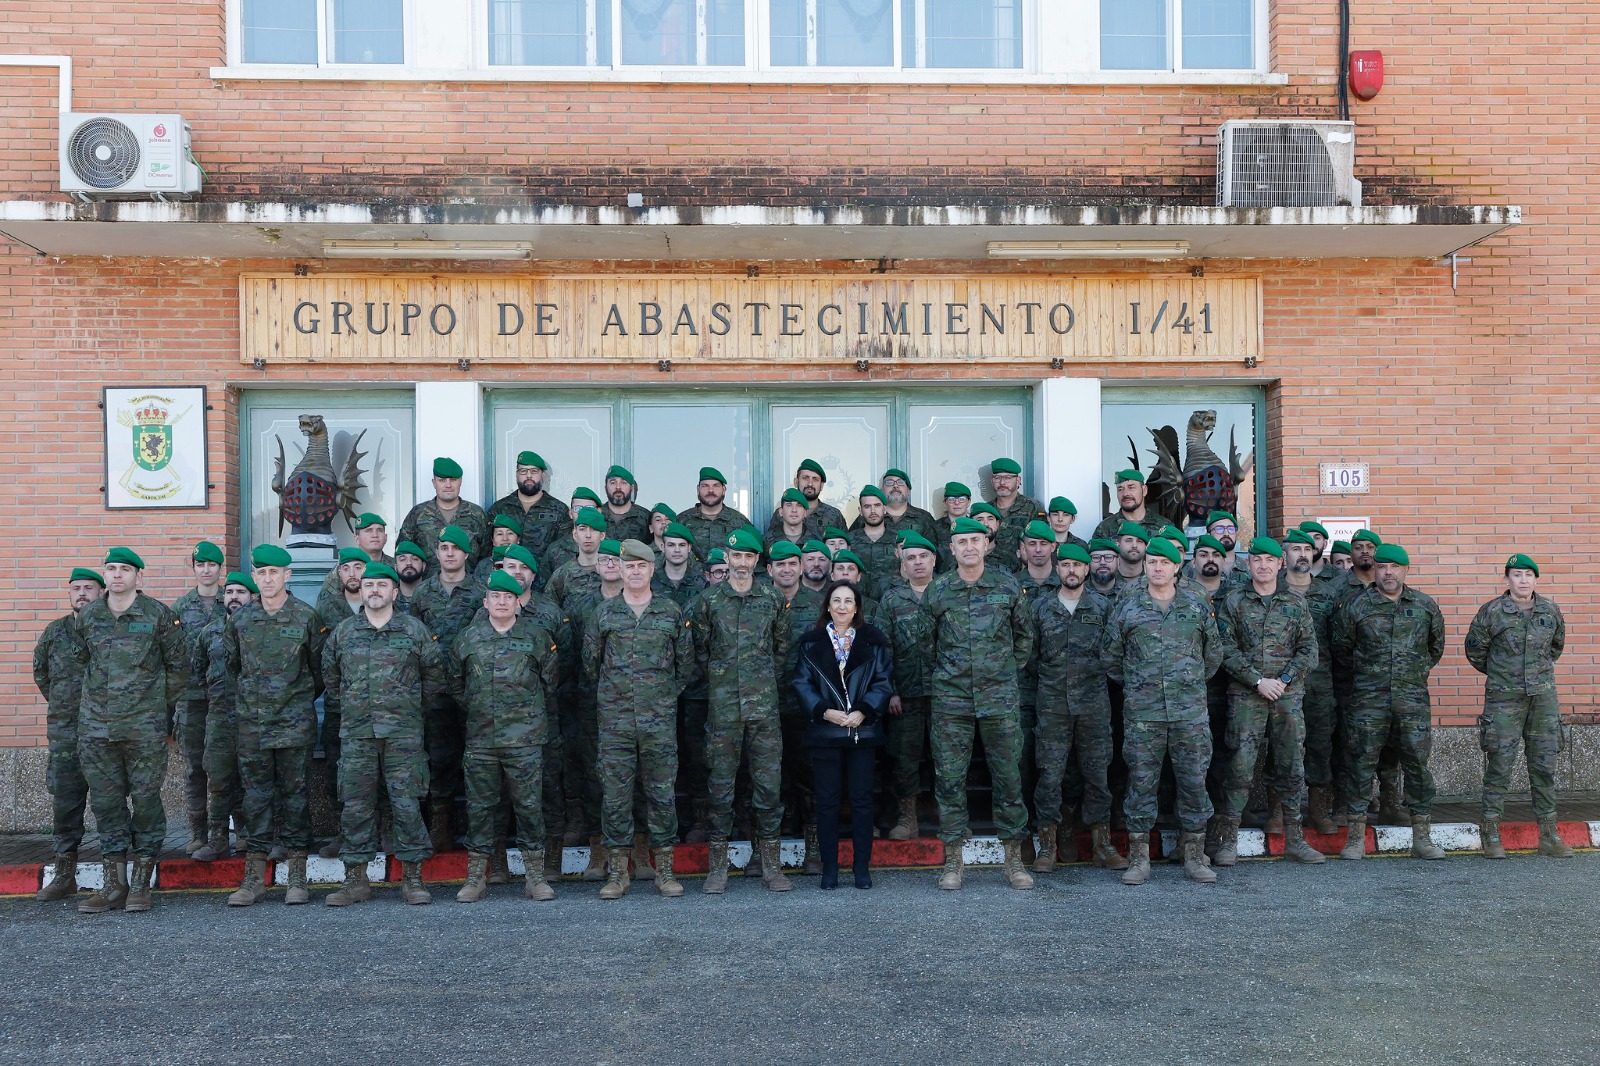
(1550, 842)
(1195, 867)
(499, 865)
(1066, 844)
(1016, 873)
(1138, 871)
(1105, 852)
(332, 848)
(616, 885)
(905, 827)
(534, 885)
(63, 880)
(197, 833)
(253, 889)
(596, 870)
(1318, 812)
(1391, 809)
(716, 868)
(950, 879)
(1227, 853)
(1274, 822)
(1422, 845)
(772, 867)
(412, 890)
(1046, 860)
(813, 861)
(1356, 846)
(642, 870)
(666, 884)
(356, 887)
(138, 899)
(552, 855)
(1295, 848)
(753, 867)
(216, 845)
(439, 827)
(297, 891)
(477, 880)
(113, 892)
(1490, 834)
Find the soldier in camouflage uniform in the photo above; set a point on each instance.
(1514, 641)
(1161, 645)
(625, 518)
(873, 542)
(1321, 711)
(1062, 513)
(1131, 492)
(195, 608)
(382, 668)
(910, 631)
(574, 588)
(505, 667)
(209, 661)
(809, 480)
(783, 568)
(542, 519)
(1269, 646)
(982, 637)
(740, 634)
(504, 531)
(428, 519)
(58, 672)
(1103, 558)
(136, 667)
(1015, 509)
(710, 520)
(1392, 636)
(899, 513)
(680, 577)
(1036, 575)
(1362, 574)
(372, 535)
(791, 520)
(274, 649)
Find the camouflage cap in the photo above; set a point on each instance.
(271, 555)
(83, 573)
(500, 581)
(1073, 551)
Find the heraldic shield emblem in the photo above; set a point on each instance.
(152, 446)
(163, 460)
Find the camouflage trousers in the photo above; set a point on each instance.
(761, 741)
(328, 739)
(906, 745)
(799, 795)
(692, 757)
(224, 793)
(554, 787)
(192, 716)
(490, 774)
(1027, 766)
(1507, 723)
(580, 737)
(276, 794)
(444, 734)
(68, 790)
(639, 761)
(1280, 726)
(952, 729)
(1081, 741)
(1145, 745)
(1377, 722)
(124, 779)
(1321, 718)
(370, 768)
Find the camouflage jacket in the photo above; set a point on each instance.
(195, 611)
(542, 524)
(816, 522)
(507, 681)
(447, 612)
(982, 638)
(802, 615)
(879, 564)
(333, 608)
(1390, 646)
(632, 524)
(1013, 520)
(1033, 591)
(136, 669)
(914, 517)
(1162, 660)
(331, 583)
(378, 679)
(573, 585)
(1320, 600)
(58, 673)
(909, 627)
(679, 592)
(277, 659)
(209, 661)
(740, 641)
(1516, 650)
(1111, 523)
(426, 521)
(1066, 647)
(641, 662)
(1265, 636)
(710, 532)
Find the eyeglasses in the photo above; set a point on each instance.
(1224, 529)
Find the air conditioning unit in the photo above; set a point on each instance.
(133, 156)
(1284, 163)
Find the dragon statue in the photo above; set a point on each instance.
(313, 493)
(1186, 486)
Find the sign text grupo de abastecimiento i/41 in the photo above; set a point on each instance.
(408, 318)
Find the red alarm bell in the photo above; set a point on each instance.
(1366, 74)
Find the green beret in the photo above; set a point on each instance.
(406, 547)
(1130, 475)
(913, 539)
(794, 496)
(873, 490)
(531, 459)
(813, 546)
(457, 536)
(375, 571)
(611, 547)
(1220, 516)
(679, 531)
(845, 555)
(207, 552)
(985, 508)
(1061, 503)
(353, 555)
(1165, 548)
(1308, 526)
(834, 532)
(1516, 562)
(1208, 541)
(715, 556)
(1004, 466)
(1367, 535)
(505, 521)
(955, 490)
(1133, 529)
(968, 525)
(271, 555)
(498, 552)
(815, 467)
(500, 581)
(616, 470)
(523, 556)
(711, 473)
(446, 467)
(1102, 544)
(638, 551)
(1175, 534)
(1266, 546)
(1070, 550)
(1340, 547)
(1298, 536)
(583, 492)
(126, 556)
(590, 518)
(744, 540)
(665, 511)
(367, 518)
(1392, 553)
(83, 573)
(243, 581)
(1037, 530)
(897, 472)
(783, 549)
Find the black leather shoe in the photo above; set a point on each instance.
(830, 879)
(863, 879)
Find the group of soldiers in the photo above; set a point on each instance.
(569, 668)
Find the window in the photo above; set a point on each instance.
(1210, 34)
(550, 33)
(313, 32)
(832, 33)
(961, 34)
(683, 33)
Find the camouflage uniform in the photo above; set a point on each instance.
(195, 611)
(982, 636)
(332, 584)
(576, 589)
(136, 669)
(1390, 647)
(543, 524)
(1074, 704)
(1516, 650)
(708, 532)
(446, 612)
(641, 663)
(815, 523)
(1163, 660)
(797, 791)
(1028, 682)
(277, 659)
(632, 524)
(879, 564)
(1321, 709)
(909, 628)
(1111, 524)
(561, 552)
(224, 792)
(1013, 520)
(913, 517)
(378, 681)
(1270, 636)
(58, 672)
(427, 520)
(740, 642)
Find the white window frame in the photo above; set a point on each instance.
(1260, 28)
(324, 23)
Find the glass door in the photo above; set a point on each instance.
(671, 442)
(574, 440)
(956, 442)
(850, 441)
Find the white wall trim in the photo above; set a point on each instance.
(449, 418)
(1066, 421)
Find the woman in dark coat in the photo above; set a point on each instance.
(844, 679)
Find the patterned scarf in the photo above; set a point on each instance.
(841, 644)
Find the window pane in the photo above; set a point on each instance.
(672, 443)
(962, 34)
(956, 443)
(1133, 35)
(850, 441)
(550, 33)
(666, 33)
(1218, 34)
(849, 33)
(724, 32)
(575, 441)
(278, 31)
(367, 31)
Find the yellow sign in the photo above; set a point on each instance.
(409, 318)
